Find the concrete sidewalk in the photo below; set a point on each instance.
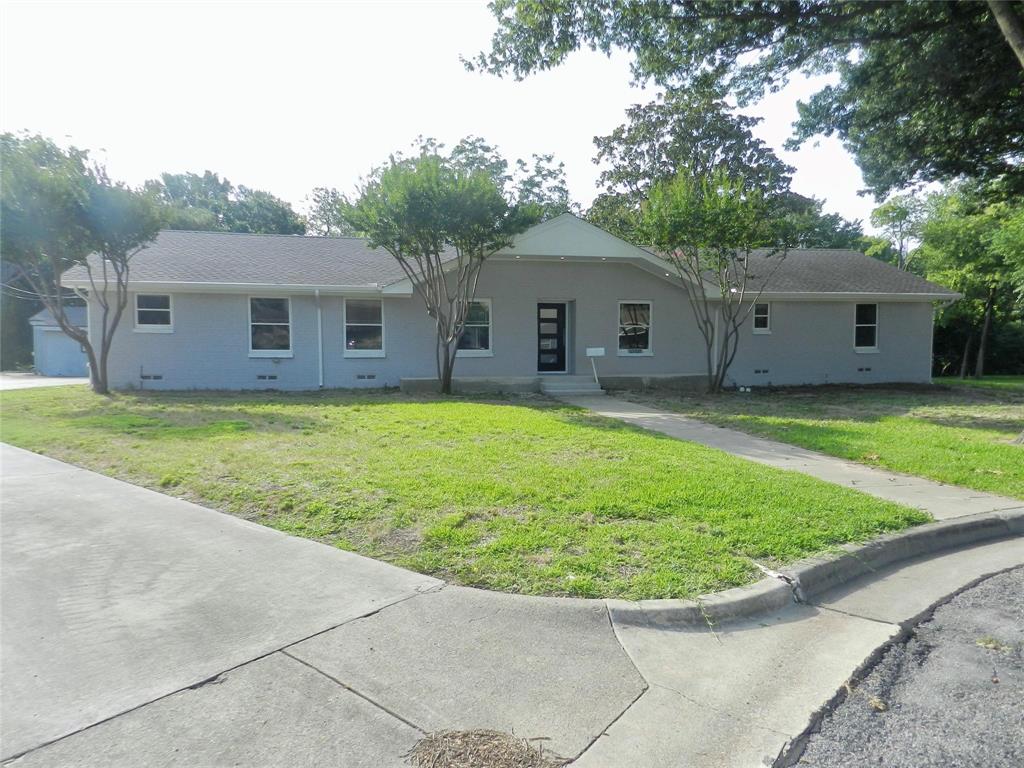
(27, 380)
(942, 501)
(141, 630)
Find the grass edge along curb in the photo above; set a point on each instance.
(805, 579)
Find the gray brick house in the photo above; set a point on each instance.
(236, 311)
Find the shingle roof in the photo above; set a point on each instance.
(813, 270)
(832, 270)
(295, 260)
(229, 257)
(77, 316)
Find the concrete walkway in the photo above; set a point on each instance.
(141, 630)
(942, 501)
(28, 380)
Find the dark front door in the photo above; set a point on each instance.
(551, 338)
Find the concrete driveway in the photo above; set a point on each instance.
(141, 630)
(24, 380)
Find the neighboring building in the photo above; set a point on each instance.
(236, 311)
(54, 353)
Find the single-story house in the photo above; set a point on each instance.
(53, 352)
(238, 311)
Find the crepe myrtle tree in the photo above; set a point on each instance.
(724, 240)
(60, 211)
(440, 221)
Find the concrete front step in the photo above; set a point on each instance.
(571, 385)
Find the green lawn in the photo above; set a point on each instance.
(520, 495)
(957, 432)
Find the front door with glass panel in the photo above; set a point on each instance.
(551, 338)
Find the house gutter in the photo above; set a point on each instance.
(319, 340)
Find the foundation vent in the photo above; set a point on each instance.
(266, 377)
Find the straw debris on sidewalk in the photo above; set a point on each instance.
(479, 749)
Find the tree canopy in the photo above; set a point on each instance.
(697, 132)
(208, 202)
(975, 246)
(539, 181)
(926, 90)
(326, 214)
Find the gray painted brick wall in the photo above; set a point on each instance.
(810, 343)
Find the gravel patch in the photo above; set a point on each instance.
(951, 695)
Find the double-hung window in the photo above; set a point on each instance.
(865, 328)
(476, 335)
(153, 313)
(270, 327)
(762, 318)
(364, 328)
(634, 328)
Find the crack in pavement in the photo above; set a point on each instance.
(360, 694)
(216, 678)
(646, 687)
(720, 710)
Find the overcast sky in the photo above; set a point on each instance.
(286, 97)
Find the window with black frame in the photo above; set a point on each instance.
(865, 331)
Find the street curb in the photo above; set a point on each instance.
(808, 578)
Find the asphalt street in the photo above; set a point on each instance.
(952, 695)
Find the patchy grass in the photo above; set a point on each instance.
(520, 495)
(1005, 383)
(960, 434)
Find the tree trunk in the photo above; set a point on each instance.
(447, 370)
(965, 360)
(979, 368)
(1011, 25)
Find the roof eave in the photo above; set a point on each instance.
(851, 296)
(190, 286)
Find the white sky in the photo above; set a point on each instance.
(286, 97)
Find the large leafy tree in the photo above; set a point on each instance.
(60, 211)
(539, 181)
(900, 218)
(326, 214)
(926, 90)
(811, 227)
(724, 240)
(440, 221)
(696, 131)
(692, 129)
(972, 245)
(208, 202)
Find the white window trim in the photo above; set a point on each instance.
(878, 316)
(753, 319)
(649, 352)
(346, 352)
(490, 334)
(248, 329)
(144, 328)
